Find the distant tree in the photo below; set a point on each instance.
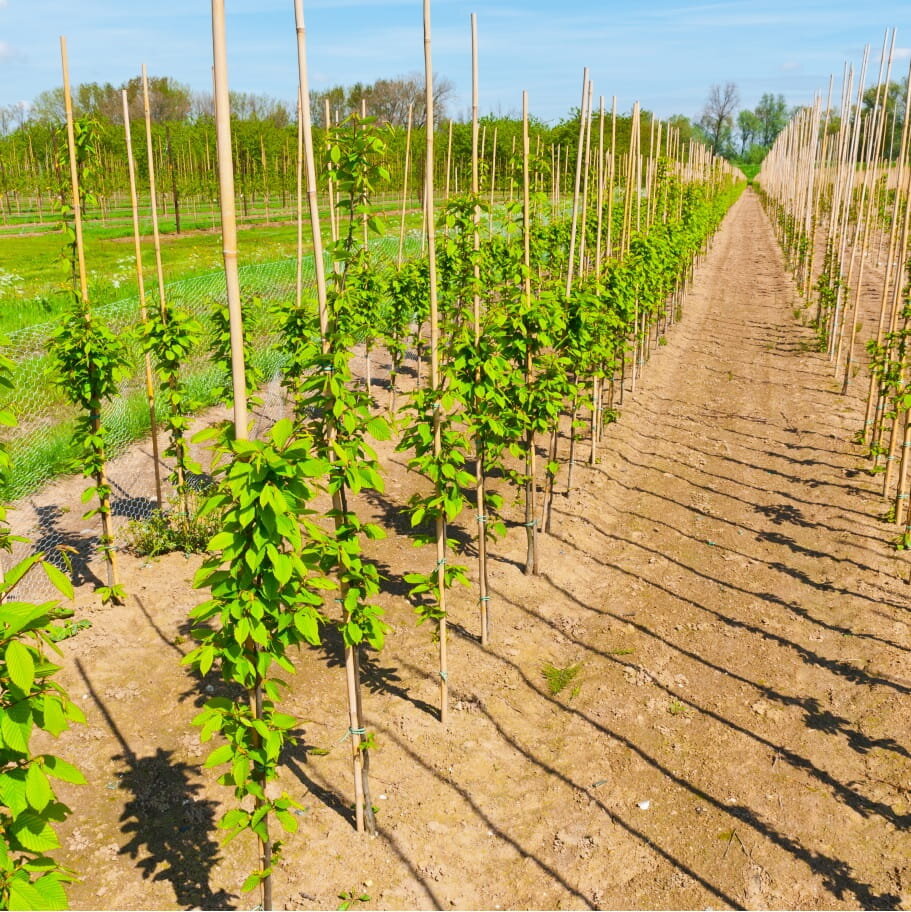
(252, 106)
(891, 98)
(48, 106)
(386, 99)
(773, 115)
(687, 129)
(717, 118)
(169, 100)
(749, 127)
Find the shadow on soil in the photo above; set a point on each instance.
(169, 828)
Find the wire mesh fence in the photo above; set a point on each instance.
(46, 486)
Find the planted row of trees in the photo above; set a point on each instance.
(837, 187)
(551, 318)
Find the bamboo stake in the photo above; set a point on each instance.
(333, 210)
(140, 286)
(159, 270)
(531, 521)
(364, 816)
(577, 184)
(401, 252)
(448, 159)
(232, 284)
(434, 359)
(107, 531)
(480, 461)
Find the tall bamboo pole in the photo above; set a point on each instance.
(480, 462)
(364, 816)
(435, 357)
(405, 187)
(100, 477)
(580, 152)
(531, 521)
(140, 287)
(232, 283)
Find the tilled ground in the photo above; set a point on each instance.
(734, 735)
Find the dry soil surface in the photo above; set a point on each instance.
(735, 735)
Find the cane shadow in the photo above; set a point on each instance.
(836, 873)
(296, 759)
(376, 677)
(167, 822)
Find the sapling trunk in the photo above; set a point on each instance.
(572, 445)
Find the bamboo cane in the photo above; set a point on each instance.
(531, 520)
(364, 817)
(100, 477)
(140, 287)
(434, 358)
(232, 283)
(480, 461)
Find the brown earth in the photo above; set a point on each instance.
(734, 736)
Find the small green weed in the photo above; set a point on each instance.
(559, 678)
(170, 530)
(677, 708)
(622, 651)
(58, 634)
(662, 340)
(350, 897)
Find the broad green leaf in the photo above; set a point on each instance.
(53, 896)
(60, 769)
(58, 579)
(20, 665)
(37, 788)
(34, 833)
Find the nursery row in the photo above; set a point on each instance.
(543, 322)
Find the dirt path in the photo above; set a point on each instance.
(737, 732)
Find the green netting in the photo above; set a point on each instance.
(45, 493)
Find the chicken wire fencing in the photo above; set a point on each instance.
(46, 498)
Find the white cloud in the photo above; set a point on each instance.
(7, 51)
(790, 66)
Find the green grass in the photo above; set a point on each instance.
(33, 276)
(559, 678)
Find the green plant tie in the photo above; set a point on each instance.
(441, 561)
(349, 733)
(483, 598)
(482, 518)
(528, 525)
(903, 496)
(444, 675)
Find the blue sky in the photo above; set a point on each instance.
(665, 54)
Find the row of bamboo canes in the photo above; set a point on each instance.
(838, 190)
(599, 174)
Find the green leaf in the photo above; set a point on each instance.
(53, 896)
(37, 789)
(281, 432)
(253, 881)
(20, 665)
(33, 832)
(58, 579)
(23, 896)
(220, 755)
(62, 770)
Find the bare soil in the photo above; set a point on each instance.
(734, 736)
